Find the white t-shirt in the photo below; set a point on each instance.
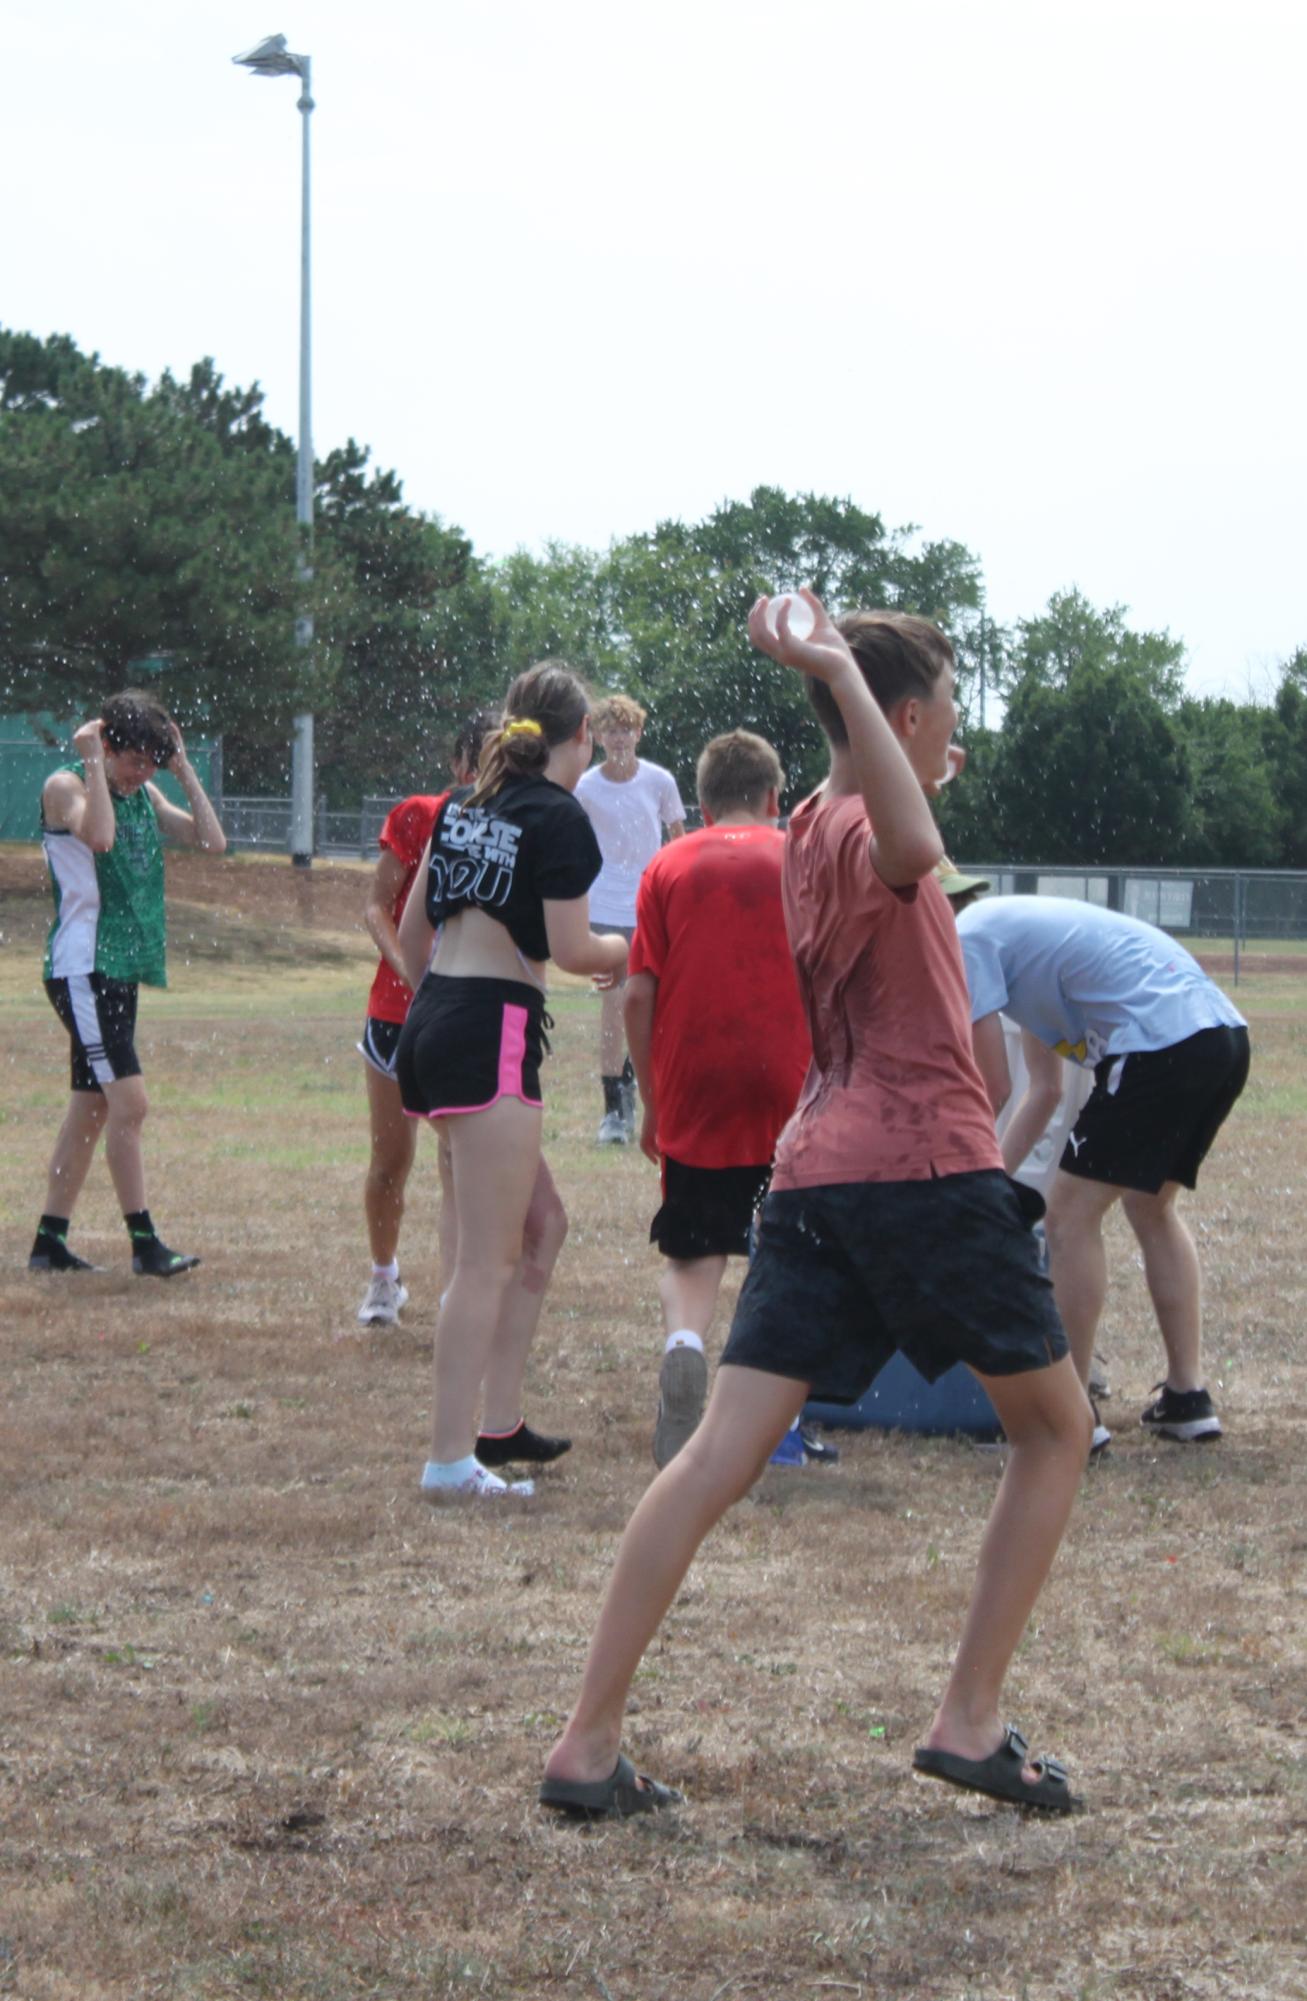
(1088, 982)
(628, 816)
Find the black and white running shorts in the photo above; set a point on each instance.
(100, 1016)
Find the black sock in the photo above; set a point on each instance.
(139, 1225)
(612, 1093)
(53, 1226)
(628, 1073)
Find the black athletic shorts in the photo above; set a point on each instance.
(1152, 1117)
(469, 1042)
(380, 1041)
(707, 1211)
(945, 1270)
(100, 1016)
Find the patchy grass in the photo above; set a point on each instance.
(273, 1728)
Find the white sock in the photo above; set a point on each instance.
(386, 1271)
(468, 1476)
(685, 1337)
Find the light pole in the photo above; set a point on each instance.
(271, 57)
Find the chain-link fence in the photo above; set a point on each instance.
(253, 822)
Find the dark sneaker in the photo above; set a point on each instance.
(151, 1258)
(521, 1447)
(627, 1097)
(1186, 1415)
(815, 1450)
(53, 1254)
(682, 1391)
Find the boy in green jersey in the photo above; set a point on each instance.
(101, 819)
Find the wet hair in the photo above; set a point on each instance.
(617, 712)
(900, 656)
(548, 695)
(469, 742)
(133, 720)
(737, 770)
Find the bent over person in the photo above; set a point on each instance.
(1169, 1053)
(101, 819)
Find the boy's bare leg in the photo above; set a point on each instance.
(747, 1414)
(1046, 1417)
(1077, 1261)
(688, 1289)
(78, 1137)
(126, 1106)
(496, 1154)
(543, 1235)
(612, 1032)
(394, 1144)
(1174, 1280)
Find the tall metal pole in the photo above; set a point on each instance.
(301, 778)
(271, 57)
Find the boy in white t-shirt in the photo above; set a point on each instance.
(630, 803)
(1169, 1054)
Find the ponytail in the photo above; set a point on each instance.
(543, 708)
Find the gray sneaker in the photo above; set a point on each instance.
(682, 1390)
(629, 1101)
(612, 1130)
(382, 1302)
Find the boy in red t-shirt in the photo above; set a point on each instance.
(890, 1223)
(719, 1045)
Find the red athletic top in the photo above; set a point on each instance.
(406, 831)
(729, 1042)
(893, 1093)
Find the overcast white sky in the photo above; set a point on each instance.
(1027, 273)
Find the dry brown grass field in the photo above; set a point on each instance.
(272, 1728)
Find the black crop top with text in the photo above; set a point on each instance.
(529, 844)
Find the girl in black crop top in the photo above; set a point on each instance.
(505, 882)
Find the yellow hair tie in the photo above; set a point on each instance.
(523, 726)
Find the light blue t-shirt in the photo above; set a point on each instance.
(1088, 982)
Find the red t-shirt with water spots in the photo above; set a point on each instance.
(730, 1046)
(406, 831)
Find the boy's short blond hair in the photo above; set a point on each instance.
(736, 772)
(617, 711)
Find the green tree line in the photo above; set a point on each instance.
(155, 522)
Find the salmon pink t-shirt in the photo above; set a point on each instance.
(893, 1093)
(730, 1045)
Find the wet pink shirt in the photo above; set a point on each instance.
(893, 1093)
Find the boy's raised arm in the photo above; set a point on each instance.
(905, 842)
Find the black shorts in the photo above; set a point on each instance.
(707, 1212)
(945, 1270)
(1151, 1117)
(379, 1044)
(100, 1016)
(469, 1042)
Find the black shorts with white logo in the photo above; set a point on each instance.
(707, 1211)
(100, 1016)
(1151, 1117)
(380, 1041)
(945, 1271)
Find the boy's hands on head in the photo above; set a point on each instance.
(177, 758)
(821, 651)
(88, 741)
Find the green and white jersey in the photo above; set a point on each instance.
(108, 909)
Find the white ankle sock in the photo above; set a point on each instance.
(468, 1476)
(386, 1271)
(685, 1337)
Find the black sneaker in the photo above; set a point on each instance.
(815, 1450)
(1186, 1415)
(53, 1254)
(520, 1448)
(151, 1258)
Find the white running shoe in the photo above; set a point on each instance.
(479, 1486)
(382, 1301)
